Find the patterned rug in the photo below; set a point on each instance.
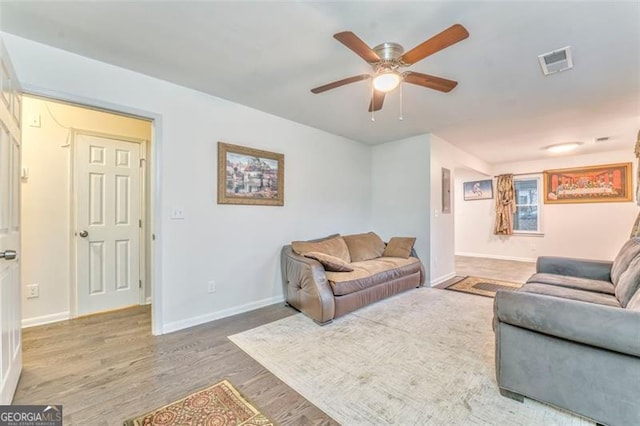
(483, 286)
(219, 405)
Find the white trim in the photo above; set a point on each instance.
(148, 301)
(45, 319)
(527, 234)
(498, 256)
(442, 279)
(155, 184)
(201, 319)
(539, 232)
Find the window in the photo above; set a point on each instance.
(526, 218)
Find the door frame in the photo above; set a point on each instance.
(153, 239)
(145, 242)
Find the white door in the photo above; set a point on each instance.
(10, 295)
(107, 176)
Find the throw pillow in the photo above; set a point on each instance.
(399, 247)
(333, 247)
(625, 256)
(629, 282)
(330, 263)
(364, 246)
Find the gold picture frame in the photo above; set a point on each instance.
(250, 176)
(605, 183)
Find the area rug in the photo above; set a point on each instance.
(483, 286)
(424, 357)
(219, 405)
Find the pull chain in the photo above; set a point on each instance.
(401, 113)
(371, 104)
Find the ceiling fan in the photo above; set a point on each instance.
(387, 59)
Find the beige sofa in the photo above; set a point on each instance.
(333, 276)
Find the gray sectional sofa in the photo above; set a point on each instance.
(570, 337)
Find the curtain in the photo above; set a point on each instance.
(505, 205)
(637, 151)
(635, 231)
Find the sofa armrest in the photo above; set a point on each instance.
(608, 327)
(591, 269)
(306, 287)
(423, 273)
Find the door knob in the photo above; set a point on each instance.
(8, 254)
(84, 234)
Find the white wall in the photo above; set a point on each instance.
(327, 183)
(400, 192)
(473, 219)
(407, 197)
(585, 230)
(442, 225)
(46, 201)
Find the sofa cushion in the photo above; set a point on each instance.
(364, 246)
(399, 247)
(628, 282)
(371, 272)
(571, 293)
(330, 263)
(573, 282)
(634, 303)
(625, 256)
(333, 247)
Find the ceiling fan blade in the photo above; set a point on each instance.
(446, 38)
(376, 101)
(430, 81)
(354, 43)
(339, 83)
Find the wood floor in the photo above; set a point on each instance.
(107, 368)
(507, 270)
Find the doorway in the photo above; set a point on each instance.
(84, 170)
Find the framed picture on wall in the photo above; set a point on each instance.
(604, 183)
(478, 190)
(250, 176)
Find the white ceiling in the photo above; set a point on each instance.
(268, 55)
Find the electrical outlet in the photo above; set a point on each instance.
(33, 291)
(177, 213)
(212, 286)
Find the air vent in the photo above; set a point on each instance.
(558, 60)
(602, 139)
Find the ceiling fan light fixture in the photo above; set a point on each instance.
(387, 81)
(563, 147)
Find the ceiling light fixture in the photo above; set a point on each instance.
(387, 81)
(563, 147)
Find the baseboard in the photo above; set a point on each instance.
(148, 301)
(45, 319)
(190, 322)
(441, 279)
(498, 256)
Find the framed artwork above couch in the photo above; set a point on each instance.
(250, 176)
